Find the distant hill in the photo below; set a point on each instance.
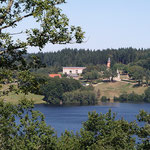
(82, 57)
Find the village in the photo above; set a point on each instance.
(106, 86)
(76, 72)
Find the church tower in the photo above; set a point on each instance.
(108, 63)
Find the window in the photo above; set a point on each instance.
(76, 71)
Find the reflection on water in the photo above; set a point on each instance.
(71, 117)
(109, 104)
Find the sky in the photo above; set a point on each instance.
(107, 23)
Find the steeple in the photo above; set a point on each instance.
(108, 63)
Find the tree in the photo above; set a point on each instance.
(53, 28)
(91, 75)
(113, 74)
(147, 77)
(105, 132)
(147, 95)
(54, 89)
(30, 132)
(104, 99)
(79, 97)
(23, 128)
(107, 74)
(137, 73)
(119, 66)
(110, 74)
(98, 93)
(54, 25)
(144, 131)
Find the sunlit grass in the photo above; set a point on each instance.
(110, 89)
(14, 98)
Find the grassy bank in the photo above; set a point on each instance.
(14, 98)
(107, 89)
(117, 88)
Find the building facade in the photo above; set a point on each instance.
(73, 70)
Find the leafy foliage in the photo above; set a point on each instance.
(144, 131)
(133, 97)
(79, 97)
(110, 74)
(147, 95)
(137, 73)
(97, 58)
(55, 87)
(91, 75)
(52, 27)
(108, 133)
(23, 128)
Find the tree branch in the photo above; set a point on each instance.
(10, 3)
(13, 48)
(9, 6)
(19, 19)
(16, 33)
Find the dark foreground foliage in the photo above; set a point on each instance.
(22, 128)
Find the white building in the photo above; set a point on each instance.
(73, 70)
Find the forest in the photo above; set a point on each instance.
(82, 57)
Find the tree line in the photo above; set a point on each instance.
(66, 91)
(82, 57)
(133, 97)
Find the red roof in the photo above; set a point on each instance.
(55, 75)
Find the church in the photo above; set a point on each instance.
(117, 78)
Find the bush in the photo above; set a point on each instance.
(104, 99)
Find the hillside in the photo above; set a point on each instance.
(14, 98)
(111, 89)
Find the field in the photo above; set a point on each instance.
(14, 98)
(111, 89)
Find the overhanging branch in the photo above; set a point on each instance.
(2, 18)
(17, 20)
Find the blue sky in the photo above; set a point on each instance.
(107, 23)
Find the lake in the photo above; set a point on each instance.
(71, 117)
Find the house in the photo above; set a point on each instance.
(73, 70)
(55, 75)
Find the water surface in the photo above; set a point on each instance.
(63, 118)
